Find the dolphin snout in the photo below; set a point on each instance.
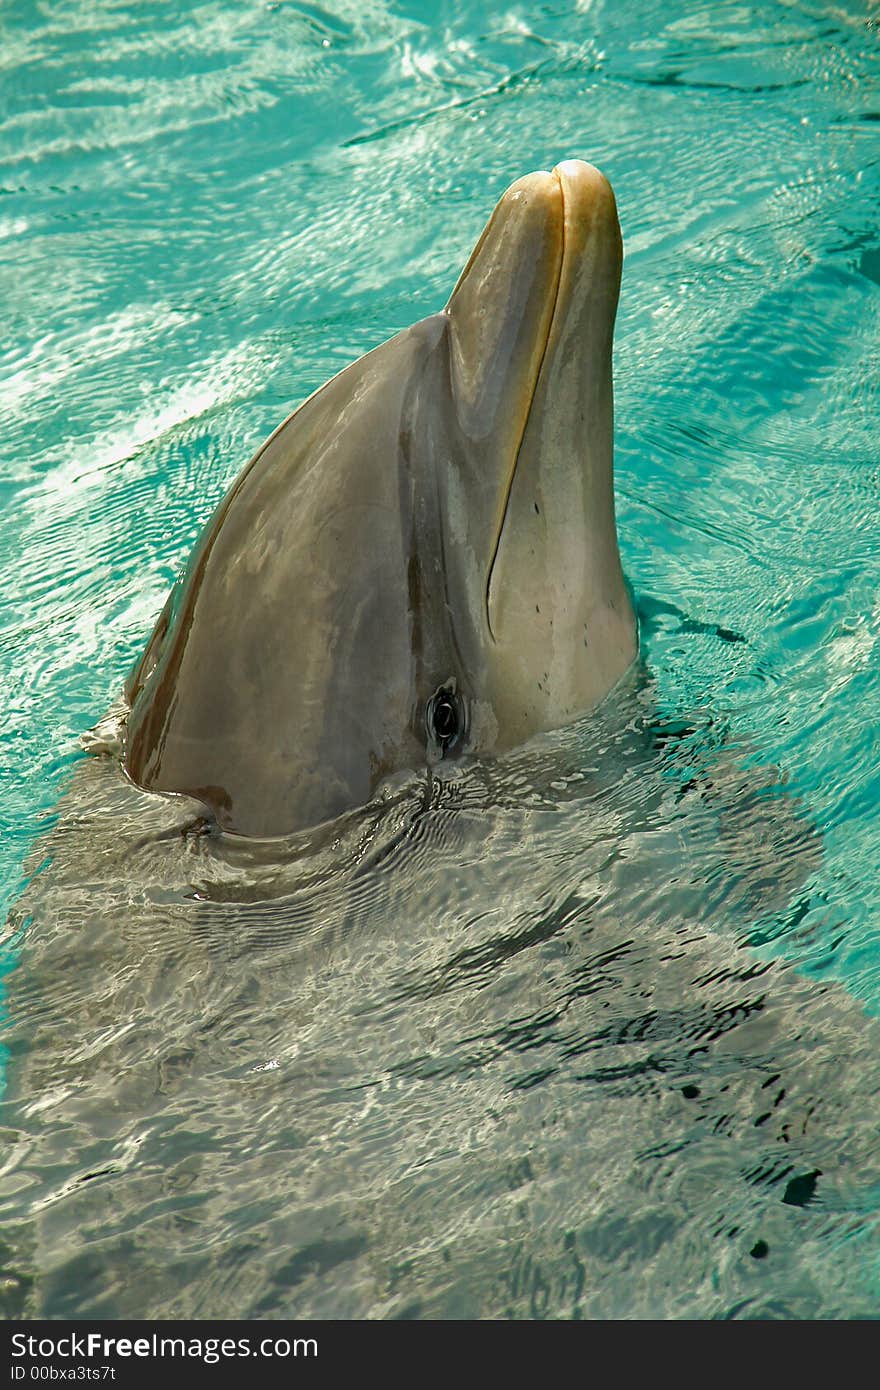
(553, 239)
(530, 327)
(501, 310)
(555, 588)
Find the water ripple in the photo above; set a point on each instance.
(559, 1036)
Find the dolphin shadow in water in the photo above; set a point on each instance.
(344, 1023)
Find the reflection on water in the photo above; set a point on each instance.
(573, 1034)
(493, 1047)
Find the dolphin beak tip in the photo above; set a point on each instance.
(573, 191)
(585, 186)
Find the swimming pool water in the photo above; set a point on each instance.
(206, 211)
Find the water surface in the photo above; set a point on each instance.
(450, 1065)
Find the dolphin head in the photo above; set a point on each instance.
(422, 561)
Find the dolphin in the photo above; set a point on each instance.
(422, 561)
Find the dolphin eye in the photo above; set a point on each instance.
(443, 718)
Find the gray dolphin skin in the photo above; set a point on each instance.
(422, 561)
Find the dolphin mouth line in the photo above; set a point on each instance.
(509, 487)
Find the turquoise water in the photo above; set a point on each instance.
(206, 211)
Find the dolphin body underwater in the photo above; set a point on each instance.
(430, 1035)
(422, 560)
